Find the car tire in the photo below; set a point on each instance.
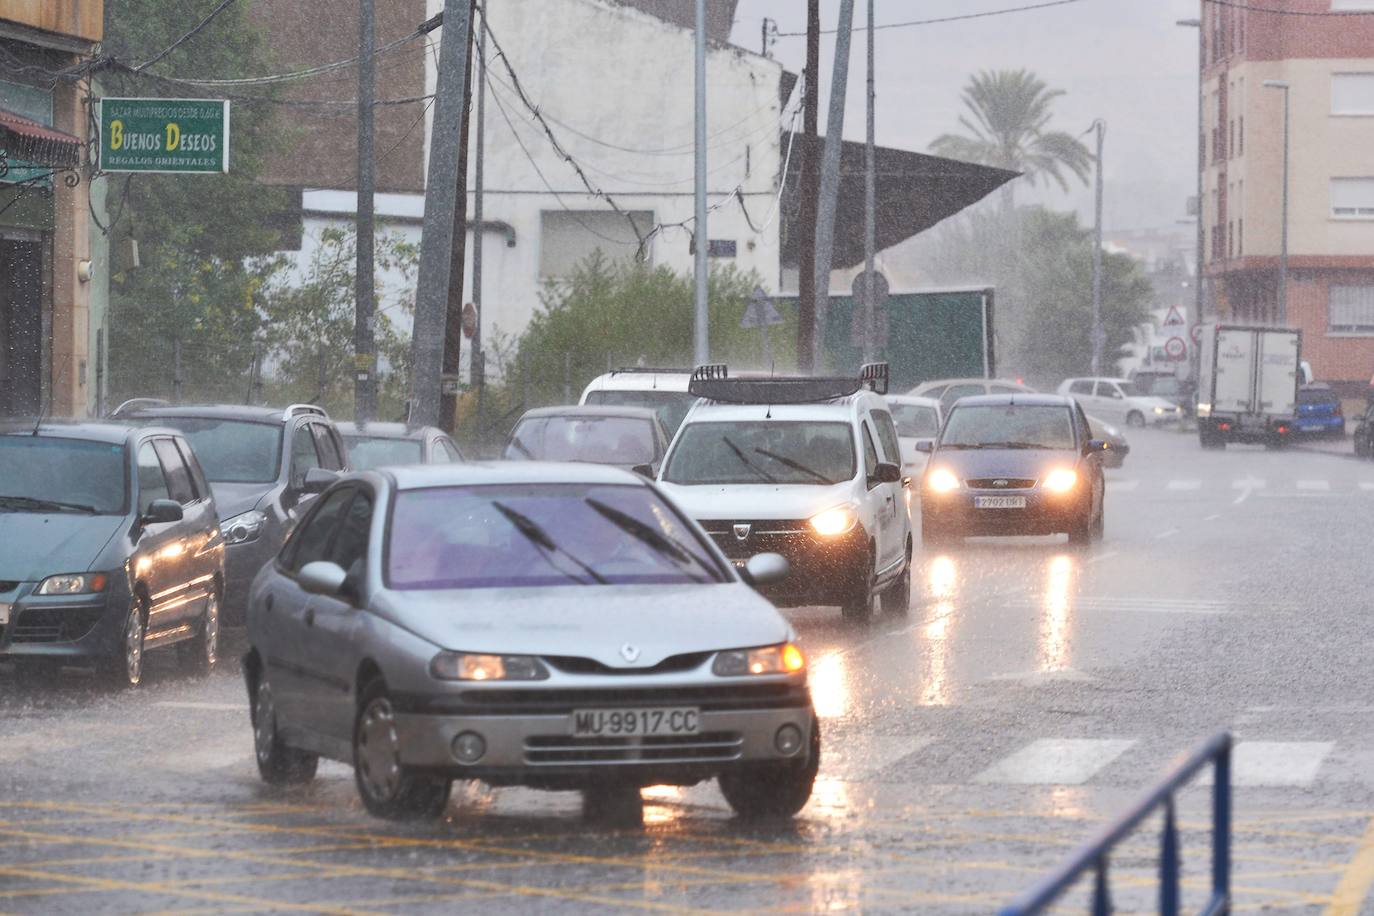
(1081, 531)
(1135, 418)
(1361, 447)
(201, 652)
(389, 789)
(124, 669)
(773, 791)
(1210, 440)
(896, 598)
(1099, 525)
(862, 602)
(278, 764)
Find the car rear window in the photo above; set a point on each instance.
(1317, 396)
(366, 453)
(539, 535)
(601, 440)
(915, 422)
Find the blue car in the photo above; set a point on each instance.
(1319, 411)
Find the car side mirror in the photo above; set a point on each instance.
(1096, 445)
(322, 578)
(925, 445)
(765, 569)
(886, 472)
(644, 470)
(160, 511)
(317, 480)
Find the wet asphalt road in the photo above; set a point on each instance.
(1031, 692)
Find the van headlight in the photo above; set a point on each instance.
(781, 659)
(243, 528)
(472, 666)
(834, 522)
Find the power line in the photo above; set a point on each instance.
(959, 18)
(293, 75)
(224, 4)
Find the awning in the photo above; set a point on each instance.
(22, 138)
(914, 192)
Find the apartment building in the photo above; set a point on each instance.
(1323, 50)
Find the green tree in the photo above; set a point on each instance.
(202, 239)
(1007, 123)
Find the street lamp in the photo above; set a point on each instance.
(1196, 317)
(1283, 244)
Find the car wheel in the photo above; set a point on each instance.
(278, 764)
(125, 668)
(1135, 418)
(897, 596)
(200, 653)
(1361, 447)
(389, 789)
(1080, 532)
(862, 602)
(776, 790)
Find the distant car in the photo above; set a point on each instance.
(949, 390)
(1319, 412)
(1014, 465)
(1364, 433)
(1165, 383)
(664, 390)
(111, 548)
(373, 445)
(918, 420)
(263, 463)
(521, 623)
(1118, 401)
(632, 438)
(1114, 455)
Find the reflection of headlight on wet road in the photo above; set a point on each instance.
(1054, 624)
(941, 578)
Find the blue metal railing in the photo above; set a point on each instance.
(1092, 856)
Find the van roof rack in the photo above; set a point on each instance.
(136, 404)
(648, 370)
(714, 384)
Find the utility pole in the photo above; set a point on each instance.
(477, 360)
(1196, 317)
(810, 191)
(1098, 334)
(1283, 243)
(870, 211)
(701, 336)
(830, 171)
(364, 349)
(453, 314)
(436, 246)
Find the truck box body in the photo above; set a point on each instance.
(1248, 383)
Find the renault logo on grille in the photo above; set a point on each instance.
(1001, 482)
(629, 652)
(742, 532)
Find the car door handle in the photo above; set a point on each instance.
(310, 616)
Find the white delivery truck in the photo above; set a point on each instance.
(1248, 381)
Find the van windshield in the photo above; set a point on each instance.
(762, 452)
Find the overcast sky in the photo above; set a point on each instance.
(1122, 60)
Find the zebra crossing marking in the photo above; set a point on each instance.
(1321, 486)
(1125, 486)
(1182, 485)
(1055, 761)
(862, 760)
(1275, 764)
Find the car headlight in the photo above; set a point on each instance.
(781, 659)
(73, 584)
(941, 480)
(243, 528)
(469, 666)
(834, 522)
(1161, 410)
(1060, 480)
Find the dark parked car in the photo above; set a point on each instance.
(1364, 433)
(374, 445)
(263, 463)
(627, 437)
(1014, 465)
(1320, 412)
(111, 548)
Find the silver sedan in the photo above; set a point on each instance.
(555, 626)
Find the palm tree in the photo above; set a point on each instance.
(1007, 120)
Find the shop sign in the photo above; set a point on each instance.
(164, 135)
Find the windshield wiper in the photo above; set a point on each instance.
(794, 465)
(646, 534)
(744, 459)
(548, 547)
(1015, 445)
(30, 504)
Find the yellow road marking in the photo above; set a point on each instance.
(1354, 885)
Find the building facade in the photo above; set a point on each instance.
(1325, 54)
(51, 299)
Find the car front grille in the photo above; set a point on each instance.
(39, 625)
(537, 701)
(785, 536)
(562, 750)
(570, 664)
(1000, 483)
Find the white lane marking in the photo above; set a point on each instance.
(1367, 485)
(1246, 485)
(1315, 485)
(1275, 763)
(1167, 533)
(1185, 485)
(1055, 761)
(1099, 557)
(860, 758)
(1121, 486)
(1134, 605)
(1211, 518)
(212, 707)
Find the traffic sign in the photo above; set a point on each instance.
(760, 312)
(1196, 333)
(1175, 348)
(1175, 318)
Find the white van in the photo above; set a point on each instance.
(665, 390)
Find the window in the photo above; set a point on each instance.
(1082, 386)
(327, 447)
(887, 435)
(365, 453)
(1352, 198)
(350, 544)
(1005, 389)
(179, 486)
(569, 238)
(303, 455)
(915, 421)
(819, 453)
(870, 454)
(1108, 390)
(1352, 4)
(68, 470)
(233, 451)
(1350, 310)
(446, 445)
(1352, 93)
(151, 482)
(193, 465)
(311, 542)
(955, 392)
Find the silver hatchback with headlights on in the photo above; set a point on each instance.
(551, 625)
